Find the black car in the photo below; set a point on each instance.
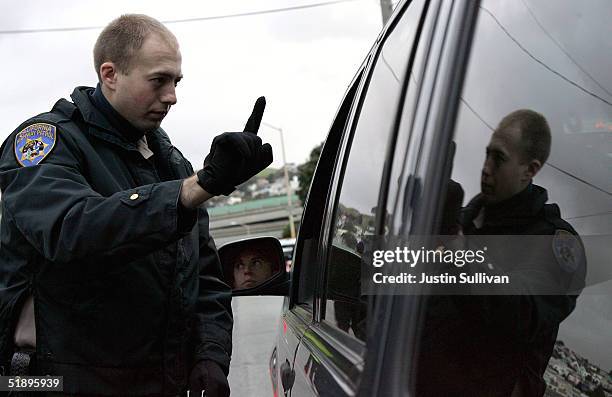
(418, 114)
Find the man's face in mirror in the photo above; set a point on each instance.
(250, 270)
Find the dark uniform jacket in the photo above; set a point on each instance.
(500, 345)
(126, 283)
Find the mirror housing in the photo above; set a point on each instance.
(255, 266)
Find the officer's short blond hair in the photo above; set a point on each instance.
(535, 133)
(123, 37)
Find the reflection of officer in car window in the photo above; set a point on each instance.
(500, 345)
(251, 268)
(510, 203)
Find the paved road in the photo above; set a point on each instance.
(255, 323)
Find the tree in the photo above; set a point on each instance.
(306, 171)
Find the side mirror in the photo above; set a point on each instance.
(255, 266)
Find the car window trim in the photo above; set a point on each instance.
(391, 148)
(340, 168)
(354, 347)
(331, 207)
(350, 95)
(303, 313)
(329, 347)
(332, 190)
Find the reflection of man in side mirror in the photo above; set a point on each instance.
(251, 268)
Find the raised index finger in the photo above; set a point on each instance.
(254, 121)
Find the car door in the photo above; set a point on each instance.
(330, 356)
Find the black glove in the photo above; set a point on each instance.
(235, 157)
(209, 377)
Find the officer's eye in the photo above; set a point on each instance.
(497, 157)
(158, 80)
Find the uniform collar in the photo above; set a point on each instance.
(516, 211)
(118, 122)
(98, 121)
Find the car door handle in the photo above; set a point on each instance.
(287, 375)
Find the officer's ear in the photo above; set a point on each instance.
(533, 167)
(108, 75)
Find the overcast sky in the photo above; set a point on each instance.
(301, 60)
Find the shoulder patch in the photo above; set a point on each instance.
(34, 143)
(568, 250)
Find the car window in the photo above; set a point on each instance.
(527, 69)
(354, 224)
(306, 264)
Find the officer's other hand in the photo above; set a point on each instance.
(235, 157)
(209, 377)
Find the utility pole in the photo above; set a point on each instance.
(244, 225)
(386, 8)
(287, 184)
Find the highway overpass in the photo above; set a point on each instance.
(265, 217)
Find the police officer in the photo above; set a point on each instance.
(500, 345)
(107, 268)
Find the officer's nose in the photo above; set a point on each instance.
(486, 167)
(169, 96)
